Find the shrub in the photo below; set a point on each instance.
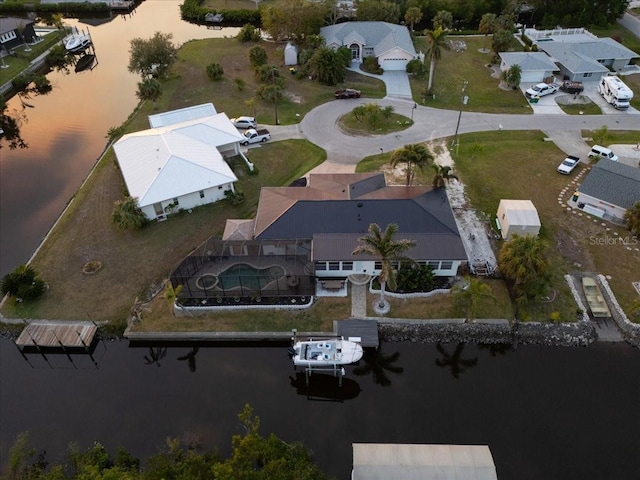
(23, 283)
(370, 65)
(240, 83)
(413, 277)
(215, 71)
(248, 33)
(417, 68)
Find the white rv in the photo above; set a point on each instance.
(615, 92)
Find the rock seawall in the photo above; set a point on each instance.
(579, 334)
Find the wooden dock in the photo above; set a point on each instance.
(41, 334)
(367, 330)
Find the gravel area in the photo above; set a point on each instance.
(474, 234)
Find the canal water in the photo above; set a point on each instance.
(66, 129)
(546, 413)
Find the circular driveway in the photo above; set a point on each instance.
(320, 126)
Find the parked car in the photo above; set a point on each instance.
(244, 122)
(597, 152)
(568, 164)
(255, 136)
(572, 87)
(542, 89)
(347, 93)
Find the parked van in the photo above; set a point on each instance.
(598, 152)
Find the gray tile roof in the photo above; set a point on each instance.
(382, 36)
(529, 60)
(613, 182)
(580, 57)
(9, 24)
(337, 224)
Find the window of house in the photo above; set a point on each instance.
(435, 265)
(5, 37)
(334, 265)
(378, 265)
(347, 265)
(588, 74)
(201, 192)
(321, 266)
(175, 201)
(446, 265)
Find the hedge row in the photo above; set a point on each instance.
(48, 8)
(192, 11)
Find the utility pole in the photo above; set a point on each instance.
(464, 101)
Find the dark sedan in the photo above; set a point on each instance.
(347, 93)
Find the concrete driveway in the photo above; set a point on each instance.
(395, 81)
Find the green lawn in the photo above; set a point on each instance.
(469, 65)
(18, 62)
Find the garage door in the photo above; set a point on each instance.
(394, 64)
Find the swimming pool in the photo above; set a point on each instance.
(247, 276)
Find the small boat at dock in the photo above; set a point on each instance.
(597, 303)
(326, 353)
(77, 42)
(85, 62)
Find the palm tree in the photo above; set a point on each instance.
(172, 293)
(469, 297)
(413, 16)
(382, 245)
(487, 26)
(273, 93)
(327, 66)
(632, 219)
(414, 156)
(437, 40)
(443, 175)
(375, 363)
(126, 214)
(523, 262)
(149, 89)
(455, 362)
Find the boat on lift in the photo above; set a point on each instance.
(77, 42)
(326, 353)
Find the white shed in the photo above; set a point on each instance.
(518, 217)
(290, 54)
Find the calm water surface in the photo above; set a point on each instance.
(66, 129)
(546, 413)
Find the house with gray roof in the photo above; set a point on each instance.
(390, 43)
(580, 55)
(15, 32)
(335, 210)
(535, 67)
(609, 190)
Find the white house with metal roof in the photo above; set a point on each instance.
(390, 43)
(609, 190)
(535, 67)
(182, 115)
(179, 166)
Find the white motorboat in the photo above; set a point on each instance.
(77, 42)
(326, 353)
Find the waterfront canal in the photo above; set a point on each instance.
(546, 413)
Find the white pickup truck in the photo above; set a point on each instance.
(255, 136)
(542, 89)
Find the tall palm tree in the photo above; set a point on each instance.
(470, 297)
(437, 40)
(443, 175)
(413, 16)
(273, 93)
(414, 156)
(382, 245)
(487, 25)
(522, 259)
(632, 219)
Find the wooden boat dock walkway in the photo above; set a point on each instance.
(367, 330)
(43, 334)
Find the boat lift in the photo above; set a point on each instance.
(336, 370)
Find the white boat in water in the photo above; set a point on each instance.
(77, 42)
(326, 353)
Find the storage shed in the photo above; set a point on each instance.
(517, 217)
(290, 54)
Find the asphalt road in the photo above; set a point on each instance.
(320, 127)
